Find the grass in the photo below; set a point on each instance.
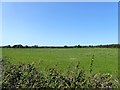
(105, 59)
(0, 52)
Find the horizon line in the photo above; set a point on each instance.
(62, 45)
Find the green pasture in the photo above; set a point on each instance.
(105, 59)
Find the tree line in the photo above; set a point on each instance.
(76, 46)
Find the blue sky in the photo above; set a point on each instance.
(59, 23)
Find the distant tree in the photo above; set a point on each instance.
(8, 46)
(114, 46)
(100, 46)
(79, 46)
(18, 46)
(35, 46)
(14, 46)
(75, 46)
(65, 46)
(26, 46)
(89, 45)
(118, 46)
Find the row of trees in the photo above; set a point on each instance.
(77, 46)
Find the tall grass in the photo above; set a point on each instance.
(91, 65)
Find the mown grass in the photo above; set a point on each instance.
(105, 59)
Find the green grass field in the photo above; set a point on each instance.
(105, 59)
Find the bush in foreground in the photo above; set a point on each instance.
(27, 76)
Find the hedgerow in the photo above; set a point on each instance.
(27, 76)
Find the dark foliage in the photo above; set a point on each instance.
(27, 76)
(17, 46)
(76, 46)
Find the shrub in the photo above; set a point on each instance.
(27, 76)
(21, 76)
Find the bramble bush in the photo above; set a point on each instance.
(27, 76)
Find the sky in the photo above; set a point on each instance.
(60, 23)
(60, 0)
